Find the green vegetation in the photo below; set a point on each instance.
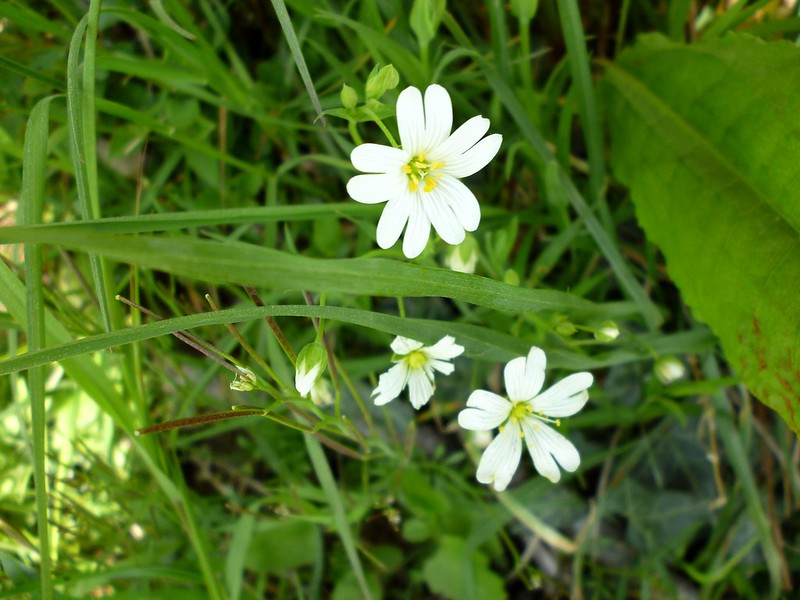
(176, 230)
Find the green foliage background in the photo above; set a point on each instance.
(169, 150)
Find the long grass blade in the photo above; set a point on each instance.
(32, 202)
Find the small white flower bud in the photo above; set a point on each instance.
(669, 369)
(607, 332)
(311, 363)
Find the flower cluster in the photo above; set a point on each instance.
(419, 182)
(527, 413)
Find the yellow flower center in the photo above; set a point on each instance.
(416, 359)
(422, 172)
(520, 411)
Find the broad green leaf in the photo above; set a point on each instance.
(458, 572)
(708, 140)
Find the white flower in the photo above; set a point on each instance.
(415, 366)
(464, 257)
(420, 181)
(525, 414)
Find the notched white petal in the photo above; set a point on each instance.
(485, 411)
(442, 218)
(375, 158)
(393, 219)
(477, 157)
(418, 230)
(566, 397)
(462, 139)
(560, 448)
(462, 202)
(403, 345)
(539, 450)
(390, 384)
(445, 349)
(420, 388)
(501, 458)
(376, 188)
(410, 120)
(438, 115)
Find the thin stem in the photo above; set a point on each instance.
(273, 325)
(380, 124)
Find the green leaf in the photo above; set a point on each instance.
(281, 546)
(707, 139)
(449, 570)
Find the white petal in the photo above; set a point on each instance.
(410, 120)
(547, 446)
(418, 230)
(390, 384)
(486, 411)
(461, 200)
(403, 345)
(420, 389)
(393, 218)
(438, 115)
(501, 458)
(474, 159)
(373, 189)
(445, 349)
(442, 366)
(566, 397)
(524, 376)
(463, 138)
(304, 380)
(374, 158)
(442, 218)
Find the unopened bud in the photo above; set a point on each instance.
(463, 257)
(348, 96)
(669, 369)
(311, 363)
(607, 332)
(381, 81)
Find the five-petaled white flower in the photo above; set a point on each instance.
(420, 181)
(525, 414)
(415, 366)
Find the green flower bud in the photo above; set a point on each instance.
(348, 96)
(607, 332)
(381, 80)
(669, 369)
(311, 364)
(565, 329)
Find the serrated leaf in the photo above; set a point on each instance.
(708, 141)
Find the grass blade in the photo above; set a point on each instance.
(34, 164)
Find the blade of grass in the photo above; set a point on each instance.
(587, 107)
(481, 343)
(34, 174)
(328, 483)
(80, 114)
(297, 54)
(247, 264)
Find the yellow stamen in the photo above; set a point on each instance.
(421, 173)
